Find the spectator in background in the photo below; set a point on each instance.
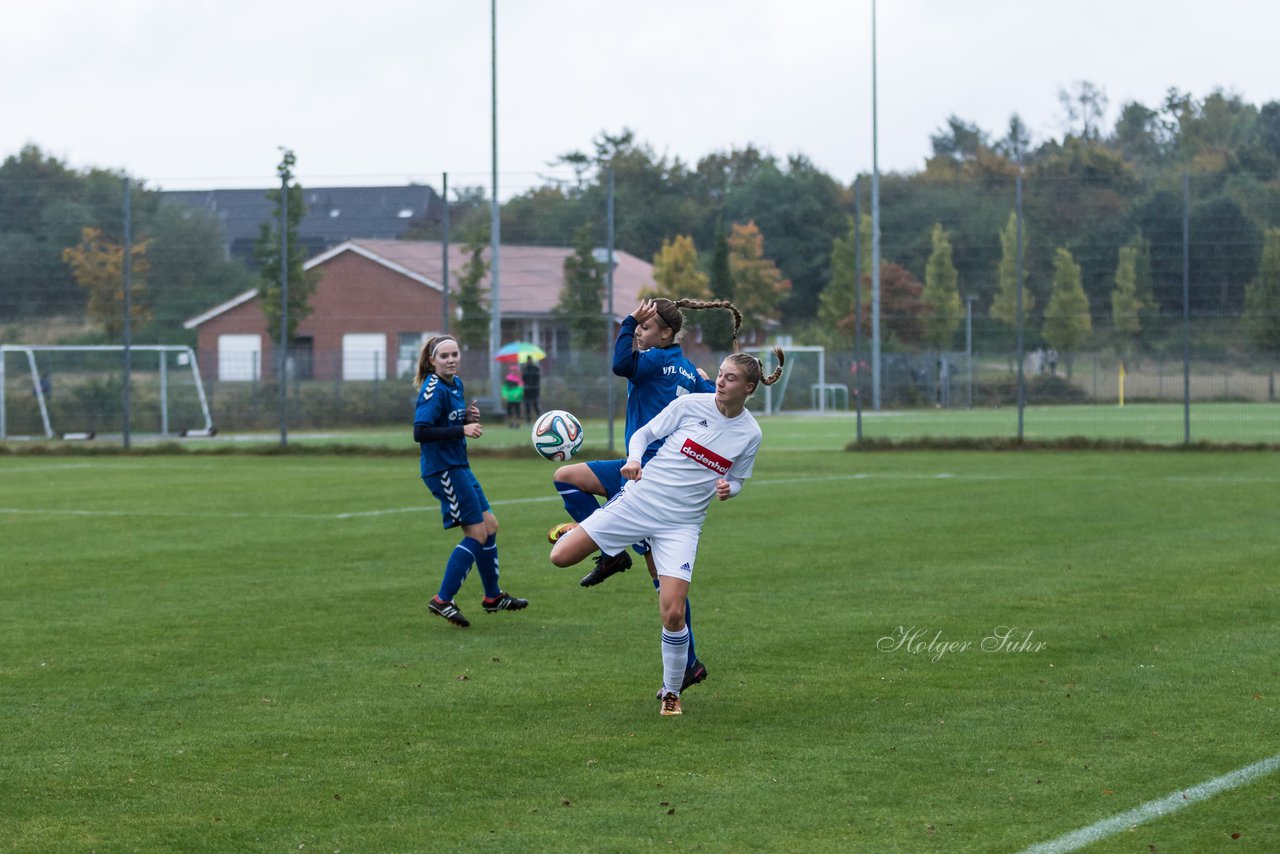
(531, 375)
(513, 394)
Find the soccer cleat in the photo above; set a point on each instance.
(559, 531)
(670, 704)
(505, 602)
(693, 675)
(606, 565)
(449, 611)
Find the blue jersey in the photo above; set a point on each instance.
(655, 378)
(442, 404)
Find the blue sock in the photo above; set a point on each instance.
(487, 566)
(688, 621)
(577, 503)
(464, 554)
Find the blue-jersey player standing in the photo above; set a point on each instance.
(442, 423)
(648, 355)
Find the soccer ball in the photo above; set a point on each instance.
(557, 435)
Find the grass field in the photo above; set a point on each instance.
(233, 654)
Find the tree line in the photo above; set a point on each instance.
(1101, 230)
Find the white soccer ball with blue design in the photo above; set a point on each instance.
(557, 435)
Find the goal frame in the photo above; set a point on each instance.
(161, 350)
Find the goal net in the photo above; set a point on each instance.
(78, 391)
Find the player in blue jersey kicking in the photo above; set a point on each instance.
(710, 449)
(648, 355)
(442, 423)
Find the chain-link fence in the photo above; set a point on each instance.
(1141, 296)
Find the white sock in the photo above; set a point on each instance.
(675, 655)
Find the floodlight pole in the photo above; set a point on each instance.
(1022, 396)
(857, 303)
(875, 226)
(609, 285)
(127, 276)
(444, 256)
(284, 308)
(495, 223)
(1186, 309)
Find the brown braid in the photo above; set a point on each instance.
(670, 314)
(753, 369)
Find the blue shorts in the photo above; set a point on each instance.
(609, 473)
(462, 501)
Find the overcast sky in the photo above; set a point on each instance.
(197, 93)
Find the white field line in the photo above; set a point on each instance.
(1156, 809)
(1207, 479)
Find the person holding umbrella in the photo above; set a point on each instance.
(531, 374)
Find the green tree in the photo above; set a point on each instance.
(473, 317)
(1067, 322)
(1004, 307)
(838, 299)
(717, 327)
(1126, 304)
(1262, 304)
(675, 272)
(941, 295)
(267, 250)
(758, 285)
(582, 297)
(98, 267)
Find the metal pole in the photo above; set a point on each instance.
(164, 392)
(875, 226)
(284, 308)
(444, 255)
(968, 344)
(1186, 308)
(1022, 394)
(609, 315)
(495, 227)
(857, 302)
(128, 308)
(4, 429)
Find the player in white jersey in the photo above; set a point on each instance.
(710, 449)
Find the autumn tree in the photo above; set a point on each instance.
(1067, 323)
(675, 272)
(941, 295)
(473, 317)
(1004, 307)
(1126, 303)
(582, 297)
(98, 266)
(758, 285)
(267, 250)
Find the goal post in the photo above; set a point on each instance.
(803, 386)
(79, 370)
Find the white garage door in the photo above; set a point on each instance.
(239, 357)
(364, 356)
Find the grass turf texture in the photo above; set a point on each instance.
(223, 654)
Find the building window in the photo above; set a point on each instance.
(364, 356)
(240, 358)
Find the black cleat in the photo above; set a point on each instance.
(449, 611)
(505, 602)
(693, 675)
(606, 565)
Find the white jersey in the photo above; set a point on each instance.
(702, 446)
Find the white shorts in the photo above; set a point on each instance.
(621, 523)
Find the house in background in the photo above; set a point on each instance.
(376, 300)
(334, 214)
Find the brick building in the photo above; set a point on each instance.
(377, 299)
